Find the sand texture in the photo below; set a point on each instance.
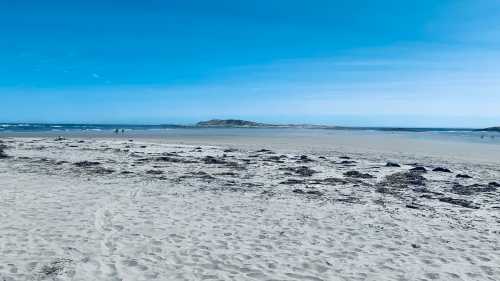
(111, 209)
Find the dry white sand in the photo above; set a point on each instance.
(150, 210)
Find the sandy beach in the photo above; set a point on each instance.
(259, 140)
(227, 208)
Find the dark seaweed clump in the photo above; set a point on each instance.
(2, 152)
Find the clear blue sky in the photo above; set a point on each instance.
(399, 63)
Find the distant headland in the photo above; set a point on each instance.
(237, 123)
(230, 123)
(491, 129)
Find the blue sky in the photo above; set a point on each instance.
(366, 63)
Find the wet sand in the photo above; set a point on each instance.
(414, 144)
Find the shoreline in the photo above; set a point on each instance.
(404, 144)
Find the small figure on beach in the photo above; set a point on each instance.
(116, 131)
(123, 131)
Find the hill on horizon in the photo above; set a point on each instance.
(230, 123)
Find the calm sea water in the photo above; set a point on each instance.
(460, 135)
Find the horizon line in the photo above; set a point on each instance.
(249, 127)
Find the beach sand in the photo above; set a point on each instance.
(84, 208)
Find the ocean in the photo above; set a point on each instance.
(97, 130)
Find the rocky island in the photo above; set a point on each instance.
(231, 123)
(237, 123)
